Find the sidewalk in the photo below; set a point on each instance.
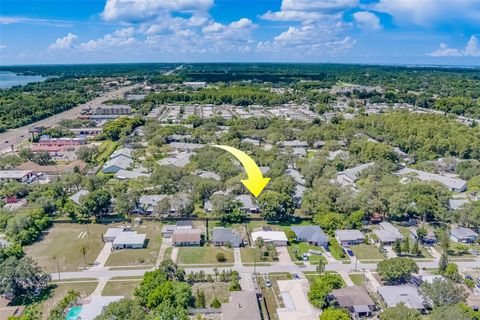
(103, 256)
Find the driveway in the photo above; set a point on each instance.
(166, 243)
(103, 256)
(284, 256)
(238, 257)
(174, 254)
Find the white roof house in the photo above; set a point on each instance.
(15, 175)
(210, 175)
(180, 159)
(112, 233)
(296, 305)
(407, 294)
(255, 142)
(148, 202)
(126, 152)
(247, 202)
(388, 233)
(131, 174)
(275, 237)
(294, 144)
(349, 236)
(451, 182)
(129, 239)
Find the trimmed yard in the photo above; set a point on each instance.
(60, 291)
(145, 256)
(357, 278)
(203, 255)
(63, 243)
(303, 247)
(248, 256)
(121, 288)
(367, 252)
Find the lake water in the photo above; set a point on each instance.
(9, 79)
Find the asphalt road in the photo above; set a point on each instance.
(18, 135)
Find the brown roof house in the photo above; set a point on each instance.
(186, 237)
(355, 299)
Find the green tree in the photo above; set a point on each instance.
(321, 287)
(416, 249)
(397, 247)
(275, 206)
(200, 300)
(397, 270)
(123, 309)
(443, 293)
(215, 303)
(291, 236)
(96, 203)
(329, 221)
(400, 312)
(453, 312)
(334, 314)
(406, 245)
(451, 272)
(443, 263)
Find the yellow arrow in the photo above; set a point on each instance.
(255, 182)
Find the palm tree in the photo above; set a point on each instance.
(83, 249)
(296, 251)
(321, 266)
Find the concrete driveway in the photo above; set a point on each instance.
(284, 256)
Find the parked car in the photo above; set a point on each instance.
(296, 276)
(305, 257)
(349, 252)
(475, 252)
(315, 252)
(468, 277)
(268, 283)
(326, 247)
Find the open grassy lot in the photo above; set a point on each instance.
(60, 290)
(203, 255)
(145, 256)
(249, 254)
(315, 276)
(121, 288)
(303, 247)
(271, 294)
(367, 252)
(63, 243)
(216, 289)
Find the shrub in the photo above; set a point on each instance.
(221, 257)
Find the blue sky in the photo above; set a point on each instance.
(346, 31)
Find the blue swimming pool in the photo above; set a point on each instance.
(73, 313)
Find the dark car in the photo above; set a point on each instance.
(350, 253)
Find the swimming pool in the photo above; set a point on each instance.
(73, 313)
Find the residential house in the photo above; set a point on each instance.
(314, 235)
(255, 142)
(242, 305)
(355, 299)
(114, 110)
(247, 202)
(94, 305)
(16, 175)
(450, 181)
(186, 237)
(76, 197)
(180, 160)
(167, 230)
(210, 175)
(124, 238)
(296, 176)
(463, 234)
(116, 164)
(195, 84)
(387, 234)
(349, 237)
(294, 144)
(132, 174)
(430, 238)
(299, 152)
(350, 176)
(186, 146)
(277, 238)
(407, 294)
(126, 152)
(457, 203)
(225, 236)
(148, 202)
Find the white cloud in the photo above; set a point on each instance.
(367, 20)
(143, 10)
(291, 15)
(306, 5)
(428, 12)
(472, 49)
(118, 39)
(32, 21)
(66, 42)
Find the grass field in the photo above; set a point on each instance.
(146, 256)
(357, 278)
(121, 288)
(202, 255)
(212, 290)
(367, 252)
(63, 243)
(61, 289)
(248, 256)
(303, 247)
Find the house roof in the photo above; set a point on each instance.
(352, 296)
(463, 233)
(310, 233)
(186, 145)
(408, 294)
(129, 238)
(449, 182)
(269, 235)
(14, 174)
(246, 200)
(457, 203)
(120, 161)
(349, 235)
(210, 175)
(131, 174)
(76, 196)
(243, 305)
(296, 305)
(296, 176)
(126, 152)
(179, 160)
(299, 152)
(221, 234)
(94, 306)
(353, 173)
(186, 235)
(151, 200)
(294, 143)
(387, 236)
(251, 141)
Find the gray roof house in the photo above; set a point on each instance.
(314, 235)
(180, 159)
(348, 237)
(223, 236)
(462, 234)
(350, 176)
(299, 152)
(126, 152)
(456, 204)
(210, 175)
(255, 142)
(116, 164)
(451, 182)
(294, 144)
(186, 145)
(247, 203)
(148, 202)
(76, 196)
(407, 294)
(355, 299)
(388, 234)
(296, 176)
(132, 174)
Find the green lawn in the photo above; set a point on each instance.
(60, 291)
(146, 256)
(248, 256)
(367, 252)
(313, 277)
(121, 288)
(357, 278)
(303, 247)
(202, 255)
(63, 243)
(216, 289)
(336, 250)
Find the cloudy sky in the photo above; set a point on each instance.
(350, 31)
